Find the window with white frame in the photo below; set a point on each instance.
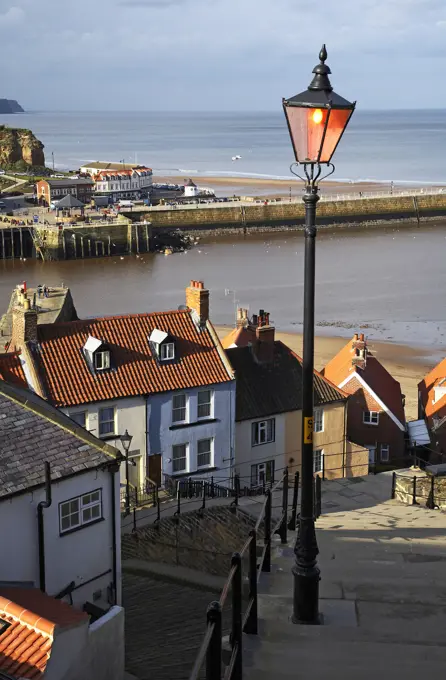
(80, 418)
(179, 408)
(370, 417)
(80, 511)
(262, 473)
(204, 453)
(204, 409)
(385, 452)
(107, 421)
(318, 420)
(179, 458)
(318, 460)
(263, 431)
(167, 351)
(102, 360)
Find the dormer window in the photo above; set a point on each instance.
(167, 351)
(97, 354)
(162, 344)
(102, 360)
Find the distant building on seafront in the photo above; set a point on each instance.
(96, 167)
(190, 189)
(51, 190)
(130, 183)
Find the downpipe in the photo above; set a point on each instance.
(43, 505)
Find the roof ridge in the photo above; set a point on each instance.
(113, 317)
(26, 617)
(338, 389)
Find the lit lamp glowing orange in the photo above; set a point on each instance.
(317, 117)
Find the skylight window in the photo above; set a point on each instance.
(162, 344)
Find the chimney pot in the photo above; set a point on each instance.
(355, 337)
(361, 337)
(197, 298)
(26, 304)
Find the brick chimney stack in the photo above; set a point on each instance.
(24, 323)
(265, 336)
(242, 317)
(197, 298)
(359, 347)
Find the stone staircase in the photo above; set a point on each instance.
(202, 539)
(383, 596)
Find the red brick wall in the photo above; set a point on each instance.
(41, 184)
(386, 432)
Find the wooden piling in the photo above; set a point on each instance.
(109, 245)
(97, 243)
(137, 238)
(82, 247)
(3, 244)
(21, 243)
(64, 245)
(131, 236)
(12, 243)
(89, 247)
(147, 238)
(75, 246)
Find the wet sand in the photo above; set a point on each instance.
(406, 364)
(252, 186)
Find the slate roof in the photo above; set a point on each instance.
(70, 201)
(274, 387)
(32, 432)
(374, 374)
(33, 616)
(11, 369)
(426, 390)
(136, 370)
(69, 182)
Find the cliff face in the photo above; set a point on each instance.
(10, 106)
(19, 147)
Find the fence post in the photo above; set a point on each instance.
(158, 510)
(283, 524)
(251, 623)
(237, 489)
(203, 505)
(190, 493)
(414, 491)
(318, 496)
(292, 522)
(393, 485)
(237, 632)
(134, 519)
(266, 566)
(213, 654)
(430, 503)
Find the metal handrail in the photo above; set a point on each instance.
(247, 622)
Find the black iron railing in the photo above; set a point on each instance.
(417, 490)
(210, 652)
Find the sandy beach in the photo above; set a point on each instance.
(406, 364)
(252, 186)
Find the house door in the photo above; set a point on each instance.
(372, 454)
(155, 468)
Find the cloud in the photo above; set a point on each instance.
(217, 53)
(12, 17)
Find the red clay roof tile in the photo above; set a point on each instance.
(11, 370)
(135, 371)
(426, 390)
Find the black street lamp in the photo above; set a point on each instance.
(316, 121)
(126, 440)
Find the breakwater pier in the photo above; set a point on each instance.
(141, 230)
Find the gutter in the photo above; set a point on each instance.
(40, 526)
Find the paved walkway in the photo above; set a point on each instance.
(383, 593)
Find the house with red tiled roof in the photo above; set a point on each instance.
(376, 416)
(133, 182)
(432, 406)
(163, 376)
(11, 369)
(269, 409)
(43, 637)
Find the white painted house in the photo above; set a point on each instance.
(59, 504)
(164, 377)
(119, 184)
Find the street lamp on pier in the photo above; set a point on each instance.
(316, 119)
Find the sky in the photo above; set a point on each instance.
(216, 55)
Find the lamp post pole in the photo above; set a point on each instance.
(316, 120)
(305, 570)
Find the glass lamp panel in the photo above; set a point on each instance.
(337, 122)
(307, 130)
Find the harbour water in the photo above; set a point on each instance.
(381, 146)
(389, 281)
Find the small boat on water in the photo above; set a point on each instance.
(236, 158)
